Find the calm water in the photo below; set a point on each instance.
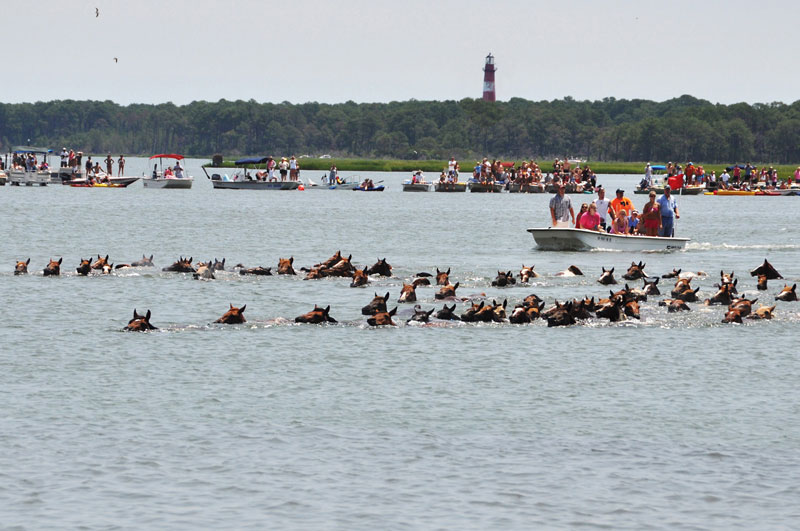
(674, 421)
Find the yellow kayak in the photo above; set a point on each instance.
(729, 192)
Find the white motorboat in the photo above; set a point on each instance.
(571, 239)
(167, 178)
(28, 176)
(409, 186)
(249, 181)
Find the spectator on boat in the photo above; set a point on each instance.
(591, 219)
(561, 208)
(292, 168)
(712, 179)
(332, 174)
(75, 160)
(88, 165)
(584, 210)
(121, 165)
(452, 166)
(651, 216)
(648, 176)
(633, 222)
(109, 165)
(603, 206)
(283, 168)
(155, 171)
(725, 177)
(689, 173)
(620, 223)
(64, 157)
(442, 178)
(621, 203)
(669, 213)
(168, 173)
(737, 174)
(797, 175)
(748, 171)
(96, 169)
(178, 169)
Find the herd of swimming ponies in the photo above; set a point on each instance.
(618, 306)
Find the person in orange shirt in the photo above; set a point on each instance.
(621, 203)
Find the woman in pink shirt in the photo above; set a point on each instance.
(620, 223)
(591, 219)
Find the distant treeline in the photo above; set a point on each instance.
(680, 129)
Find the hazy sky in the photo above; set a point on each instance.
(381, 50)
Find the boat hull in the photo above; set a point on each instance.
(374, 189)
(417, 187)
(28, 178)
(525, 188)
(118, 182)
(689, 190)
(485, 188)
(568, 239)
(451, 187)
(168, 183)
(255, 185)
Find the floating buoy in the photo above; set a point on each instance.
(301, 187)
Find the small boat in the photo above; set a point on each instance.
(479, 187)
(3, 178)
(780, 192)
(345, 184)
(372, 189)
(158, 180)
(571, 239)
(247, 181)
(516, 188)
(451, 187)
(84, 184)
(423, 186)
(730, 192)
(29, 177)
(686, 190)
(118, 182)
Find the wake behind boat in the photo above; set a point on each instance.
(571, 239)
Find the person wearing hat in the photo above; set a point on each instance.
(603, 205)
(64, 157)
(633, 222)
(669, 213)
(648, 176)
(621, 203)
(561, 208)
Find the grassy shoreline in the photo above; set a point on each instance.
(436, 166)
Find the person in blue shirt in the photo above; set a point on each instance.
(669, 213)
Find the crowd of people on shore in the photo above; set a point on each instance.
(617, 216)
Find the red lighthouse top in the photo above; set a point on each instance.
(488, 79)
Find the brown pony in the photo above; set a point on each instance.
(607, 277)
(100, 262)
(342, 268)
(360, 278)
(504, 279)
(762, 283)
(53, 268)
(420, 315)
(383, 318)
(22, 267)
(787, 294)
(675, 305)
(408, 293)
(442, 277)
(421, 281)
(766, 269)
(316, 316)
(233, 315)
(85, 267)
(144, 262)
(285, 266)
(447, 292)
(259, 271)
(763, 312)
(635, 271)
(140, 323)
(527, 273)
(447, 314)
(672, 274)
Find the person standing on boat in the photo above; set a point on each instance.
(724, 178)
(178, 170)
(109, 165)
(283, 167)
(621, 203)
(669, 213)
(561, 208)
(648, 176)
(292, 168)
(88, 166)
(602, 205)
(64, 157)
(332, 175)
(121, 165)
(452, 166)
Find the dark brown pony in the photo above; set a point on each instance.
(258, 270)
(217, 265)
(675, 305)
(421, 281)
(442, 277)
(635, 271)
(316, 316)
(144, 262)
(766, 269)
(762, 283)
(420, 315)
(53, 268)
(233, 315)
(360, 278)
(447, 314)
(680, 286)
(447, 292)
(674, 273)
(22, 267)
(561, 315)
(381, 267)
(651, 288)
(140, 323)
(378, 304)
(285, 266)
(504, 279)
(85, 267)
(182, 265)
(383, 318)
(724, 296)
(342, 268)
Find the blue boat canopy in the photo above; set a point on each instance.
(30, 149)
(658, 167)
(251, 161)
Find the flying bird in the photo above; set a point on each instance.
(116, 60)
(96, 12)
